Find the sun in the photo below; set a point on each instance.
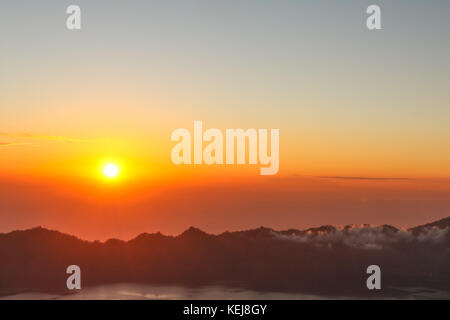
(111, 170)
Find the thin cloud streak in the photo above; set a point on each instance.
(10, 144)
(40, 137)
(362, 178)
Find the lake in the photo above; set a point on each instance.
(130, 291)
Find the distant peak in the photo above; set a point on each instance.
(193, 231)
(388, 228)
(114, 241)
(322, 229)
(261, 231)
(147, 236)
(440, 224)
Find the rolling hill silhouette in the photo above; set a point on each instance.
(326, 260)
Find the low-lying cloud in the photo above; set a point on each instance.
(369, 237)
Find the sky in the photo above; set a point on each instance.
(363, 115)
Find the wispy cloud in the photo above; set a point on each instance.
(24, 135)
(362, 178)
(10, 144)
(369, 237)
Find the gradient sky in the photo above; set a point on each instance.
(348, 102)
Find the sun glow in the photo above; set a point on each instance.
(111, 170)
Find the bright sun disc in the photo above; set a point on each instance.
(111, 170)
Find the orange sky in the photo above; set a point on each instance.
(99, 209)
(369, 109)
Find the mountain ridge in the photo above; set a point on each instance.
(324, 260)
(192, 230)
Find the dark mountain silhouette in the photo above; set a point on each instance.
(440, 224)
(326, 260)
